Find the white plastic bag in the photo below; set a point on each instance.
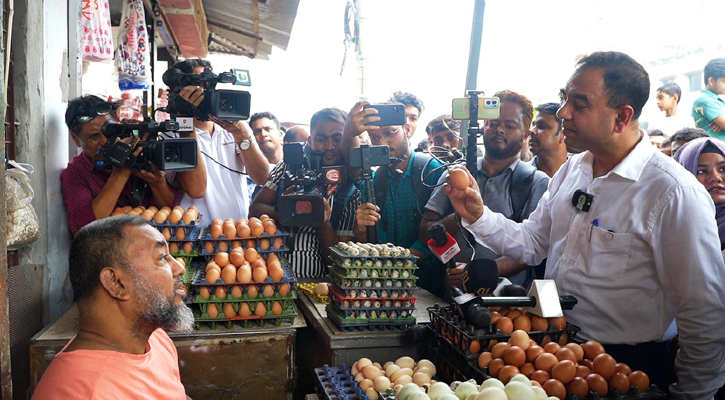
(132, 59)
(23, 226)
(96, 35)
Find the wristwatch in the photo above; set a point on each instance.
(245, 144)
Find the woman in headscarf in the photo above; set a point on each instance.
(705, 158)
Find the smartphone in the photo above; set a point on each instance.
(374, 155)
(488, 108)
(390, 114)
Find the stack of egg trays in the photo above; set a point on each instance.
(337, 383)
(363, 287)
(204, 237)
(346, 260)
(289, 312)
(452, 329)
(347, 323)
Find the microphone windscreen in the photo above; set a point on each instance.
(480, 276)
(513, 291)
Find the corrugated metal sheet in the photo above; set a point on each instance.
(232, 28)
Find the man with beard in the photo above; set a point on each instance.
(126, 300)
(400, 194)
(311, 246)
(546, 140)
(510, 186)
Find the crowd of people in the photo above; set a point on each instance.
(572, 191)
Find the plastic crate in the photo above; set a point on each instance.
(200, 279)
(348, 323)
(337, 383)
(369, 303)
(377, 284)
(289, 312)
(205, 237)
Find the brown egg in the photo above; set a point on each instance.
(533, 351)
(220, 292)
(118, 211)
(499, 349)
(623, 368)
(229, 274)
(180, 234)
(212, 311)
(597, 384)
(539, 323)
(209, 247)
(592, 349)
(237, 244)
(578, 352)
(237, 292)
(270, 228)
(236, 258)
(495, 316)
(620, 382)
(188, 247)
(546, 362)
(205, 292)
(566, 353)
(603, 365)
(148, 215)
(244, 310)
(579, 387)
(515, 356)
(284, 289)
(563, 339)
(520, 338)
(259, 275)
(507, 372)
(188, 217)
(546, 340)
(505, 325)
(495, 366)
(564, 371)
(540, 376)
(276, 273)
(268, 291)
(272, 256)
(222, 259)
(223, 246)
(257, 230)
(278, 243)
(474, 347)
(179, 208)
(276, 308)
(173, 247)
(513, 314)
(558, 322)
(264, 244)
(484, 359)
(582, 371)
(229, 311)
(252, 291)
(273, 264)
(552, 347)
(458, 178)
(250, 254)
(254, 221)
(174, 217)
(244, 274)
(528, 369)
(260, 310)
(229, 231)
(216, 221)
(215, 231)
(251, 244)
(166, 232)
(639, 379)
(534, 383)
(243, 230)
(212, 275)
(522, 322)
(587, 363)
(229, 221)
(554, 388)
(166, 209)
(212, 264)
(136, 211)
(264, 217)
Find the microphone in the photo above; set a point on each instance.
(443, 245)
(470, 307)
(480, 276)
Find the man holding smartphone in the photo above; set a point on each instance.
(400, 191)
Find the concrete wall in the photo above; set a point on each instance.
(42, 87)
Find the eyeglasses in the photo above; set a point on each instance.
(104, 108)
(387, 137)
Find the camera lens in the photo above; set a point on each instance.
(494, 102)
(226, 105)
(488, 102)
(172, 154)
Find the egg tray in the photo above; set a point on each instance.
(166, 224)
(198, 299)
(205, 236)
(652, 393)
(338, 383)
(191, 234)
(447, 322)
(289, 277)
(341, 256)
(309, 290)
(376, 273)
(210, 256)
(337, 316)
(364, 293)
(371, 283)
(374, 313)
(236, 303)
(289, 312)
(359, 304)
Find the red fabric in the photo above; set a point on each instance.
(95, 374)
(81, 182)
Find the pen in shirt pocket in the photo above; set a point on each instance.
(595, 222)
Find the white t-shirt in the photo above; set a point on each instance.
(670, 125)
(227, 192)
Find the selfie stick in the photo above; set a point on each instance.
(473, 131)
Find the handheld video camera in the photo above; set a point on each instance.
(230, 105)
(303, 169)
(167, 155)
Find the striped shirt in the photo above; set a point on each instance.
(306, 257)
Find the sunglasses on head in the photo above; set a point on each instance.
(104, 108)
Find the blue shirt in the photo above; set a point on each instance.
(706, 108)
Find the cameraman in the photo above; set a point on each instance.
(90, 192)
(311, 246)
(230, 152)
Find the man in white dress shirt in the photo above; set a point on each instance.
(645, 252)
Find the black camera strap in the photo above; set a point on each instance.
(139, 190)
